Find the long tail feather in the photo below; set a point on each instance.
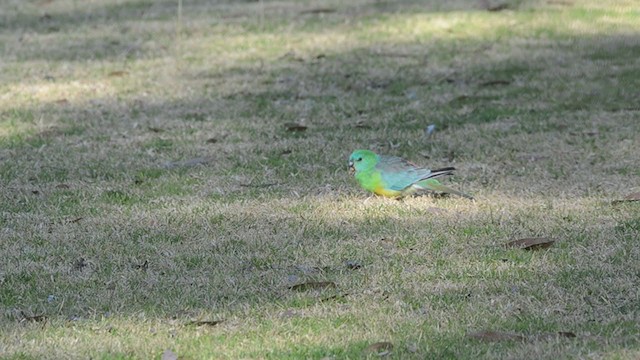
(441, 172)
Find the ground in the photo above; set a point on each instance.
(167, 166)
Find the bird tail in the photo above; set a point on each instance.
(435, 185)
(441, 172)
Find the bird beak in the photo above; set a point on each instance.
(352, 169)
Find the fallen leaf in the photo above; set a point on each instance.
(62, 101)
(318, 11)
(382, 348)
(554, 335)
(630, 197)
(118, 73)
(169, 355)
(493, 336)
(204, 322)
(291, 55)
(33, 318)
(313, 285)
(495, 82)
(498, 7)
(567, 334)
(530, 243)
(295, 127)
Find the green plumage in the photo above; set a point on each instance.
(396, 177)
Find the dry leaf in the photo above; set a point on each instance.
(498, 7)
(34, 318)
(492, 336)
(313, 285)
(560, 334)
(530, 243)
(567, 334)
(630, 197)
(169, 355)
(62, 101)
(495, 82)
(118, 73)
(382, 348)
(291, 55)
(295, 127)
(318, 11)
(205, 322)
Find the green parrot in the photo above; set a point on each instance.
(395, 177)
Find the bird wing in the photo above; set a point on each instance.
(398, 174)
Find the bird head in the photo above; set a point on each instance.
(361, 160)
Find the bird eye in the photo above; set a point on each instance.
(359, 159)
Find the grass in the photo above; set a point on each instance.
(149, 181)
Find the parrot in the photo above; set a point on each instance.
(396, 177)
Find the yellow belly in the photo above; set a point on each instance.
(386, 192)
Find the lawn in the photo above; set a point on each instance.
(173, 179)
